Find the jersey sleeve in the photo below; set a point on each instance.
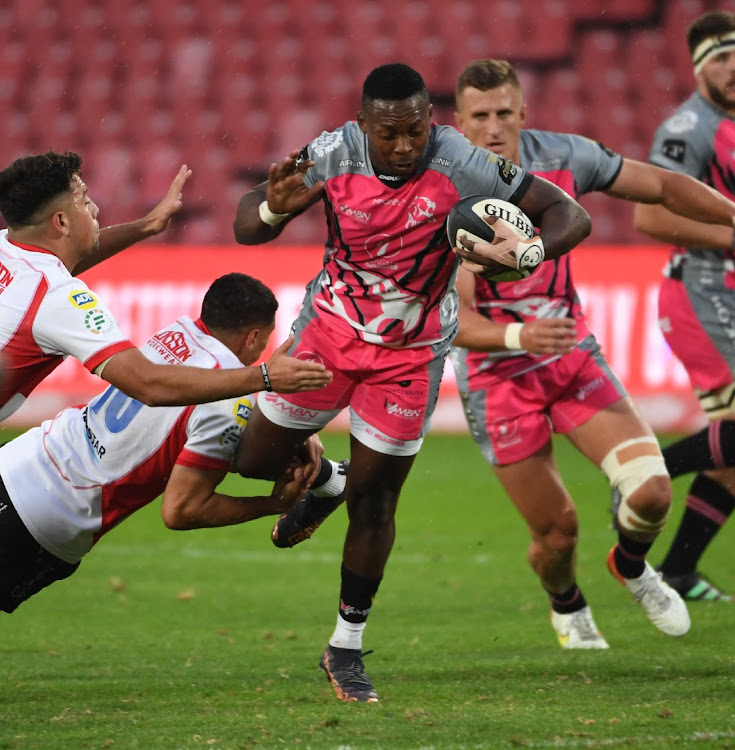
(594, 166)
(319, 150)
(681, 146)
(477, 171)
(214, 432)
(72, 320)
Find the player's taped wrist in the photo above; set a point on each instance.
(513, 336)
(268, 217)
(266, 378)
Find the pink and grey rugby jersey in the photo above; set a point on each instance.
(699, 140)
(45, 315)
(389, 271)
(78, 475)
(577, 165)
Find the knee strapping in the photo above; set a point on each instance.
(627, 476)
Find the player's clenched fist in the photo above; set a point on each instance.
(289, 375)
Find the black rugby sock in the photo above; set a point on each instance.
(708, 506)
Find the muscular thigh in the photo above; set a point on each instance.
(616, 424)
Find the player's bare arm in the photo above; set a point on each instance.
(161, 385)
(116, 238)
(478, 333)
(190, 500)
(659, 223)
(679, 209)
(264, 211)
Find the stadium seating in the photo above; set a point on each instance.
(229, 86)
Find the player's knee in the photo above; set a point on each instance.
(558, 538)
(636, 468)
(371, 509)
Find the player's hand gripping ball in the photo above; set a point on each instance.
(522, 251)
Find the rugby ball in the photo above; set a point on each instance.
(467, 219)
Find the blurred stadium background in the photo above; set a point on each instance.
(228, 86)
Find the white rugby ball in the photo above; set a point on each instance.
(467, 219)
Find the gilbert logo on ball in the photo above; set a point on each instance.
(468, 219)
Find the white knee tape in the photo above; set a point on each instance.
(628, 476)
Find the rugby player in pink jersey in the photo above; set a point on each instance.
(380, 315)
(697, 299)
(47, 314)
(528, 365)
(65, 484)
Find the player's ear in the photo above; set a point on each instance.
(60, 222)
(523, 112)
(361, 121)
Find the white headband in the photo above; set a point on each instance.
(710, 47)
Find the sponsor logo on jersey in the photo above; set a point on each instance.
(352, 163)
(421, 211)
(172, 343)
(230, 437)
(327, 142)
(389, 201)
(297, 413)
(360, 216)
(588, 388)
(98, 450)
(83, 299)
(440, 161)
(507, 170)
(682, 122)
(98, 321)
(5, 278)
(383, 251)
(505, 432)
(308, 356)
(242, 410)
(674, 149)
(401, 411)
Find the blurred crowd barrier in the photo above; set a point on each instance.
(148, 287)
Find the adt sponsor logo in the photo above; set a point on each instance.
(242, 412)
(5, 278)
(83, 299)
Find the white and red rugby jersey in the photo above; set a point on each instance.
(389, 271)
(45, 315)
(577, 165)
(78, 475)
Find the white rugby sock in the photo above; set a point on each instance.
(347, 634)
(334, 486)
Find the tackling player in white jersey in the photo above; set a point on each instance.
(47, 314)
(66, 483)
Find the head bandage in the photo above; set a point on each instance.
(628, 476)
(710, 47)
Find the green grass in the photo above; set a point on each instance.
(211, 639)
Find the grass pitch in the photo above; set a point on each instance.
(211, 638)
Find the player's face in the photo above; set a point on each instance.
(493, 119)
(84, 227)
(717, 81)
(398, 133)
